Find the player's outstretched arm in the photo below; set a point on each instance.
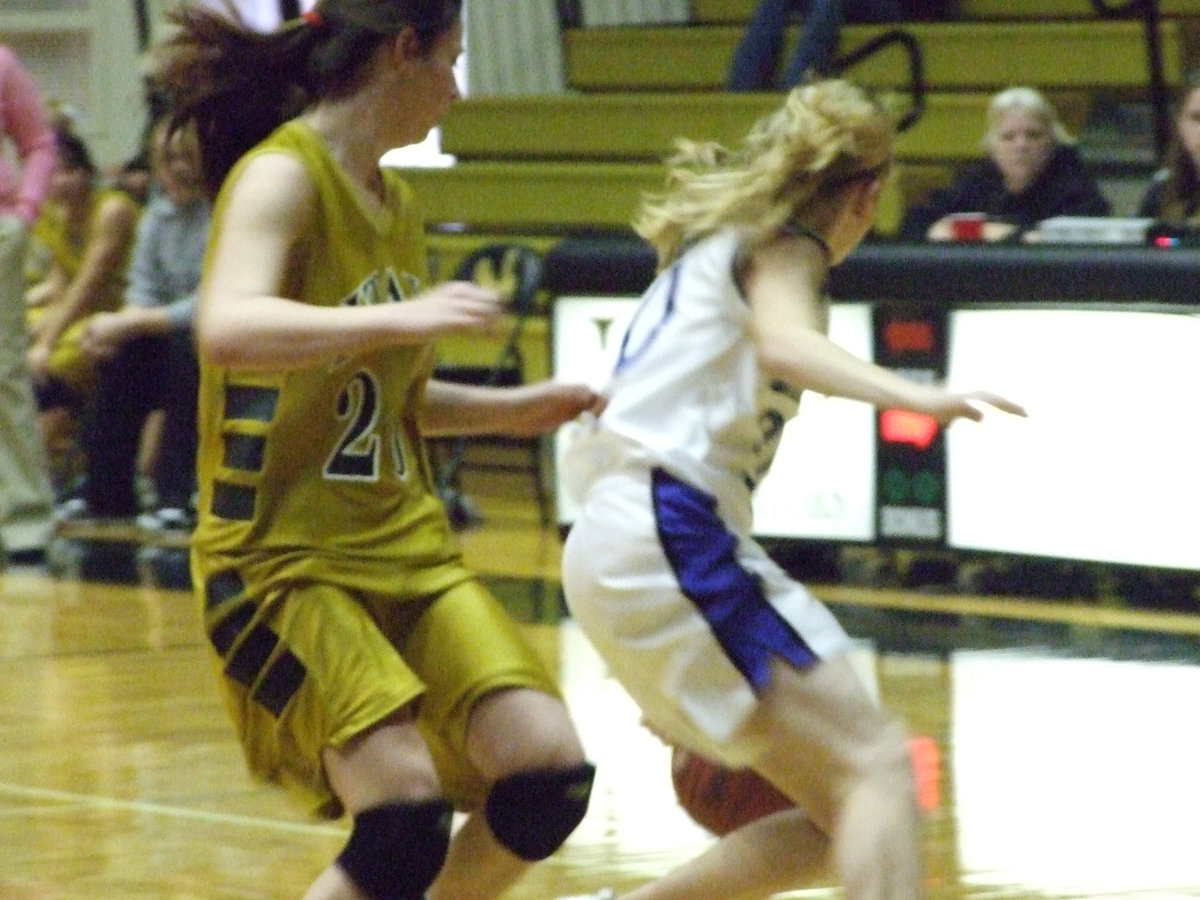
(788, 323)
(522, 411)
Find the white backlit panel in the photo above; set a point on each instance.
(1105, 467)
(822, 485)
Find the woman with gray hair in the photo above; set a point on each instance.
(1031, 172)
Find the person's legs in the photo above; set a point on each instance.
(26, 496)
(387, 783)
(757, 54)
(819, 39)
(818, 43)
(523, 743)
(130, 385)
(769, 856)
(818, 736)
(324, 704)
(505, 748)
(716, 684)
(59, 415)
(175, 474)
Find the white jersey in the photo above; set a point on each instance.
(687, 393)
(660, 569)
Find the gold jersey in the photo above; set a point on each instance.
(319, 474)
(54, 240)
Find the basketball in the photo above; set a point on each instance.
(722, 799)
(719, 798)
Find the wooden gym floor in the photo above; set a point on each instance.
(1067, 735)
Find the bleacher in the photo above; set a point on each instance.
(737, 11)
(537, 168)
(541, 168)
(958, 56)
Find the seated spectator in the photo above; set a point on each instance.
(86, 233)
(1031, 172)
(1174, 195)
(757, 53)
(145, 355)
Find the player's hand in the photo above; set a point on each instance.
(450, 307)
(103, 335)
(971, 405)
(38, 360)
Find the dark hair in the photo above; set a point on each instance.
(73, 153)
(1180, 197)
(239, 85)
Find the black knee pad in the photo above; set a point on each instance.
(396, 851)
(532, 813)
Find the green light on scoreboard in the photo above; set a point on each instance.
(922, 487)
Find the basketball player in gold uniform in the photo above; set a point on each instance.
(361, 663)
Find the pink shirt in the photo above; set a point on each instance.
(24, 123)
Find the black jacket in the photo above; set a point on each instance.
(1152, 203)
(1064, 188)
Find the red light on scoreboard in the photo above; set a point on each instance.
(899, 426)
(902, 336)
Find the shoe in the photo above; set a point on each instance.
(73, 510)
(27, 556)
(76, 511)
(602, 894)
(168, 518)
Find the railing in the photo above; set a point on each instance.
(1160, 101)
(917, 87)
(141, 16)
(570, 16)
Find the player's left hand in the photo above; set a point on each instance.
(103, 335)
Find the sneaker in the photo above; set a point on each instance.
(26, 556)
(602, 894)
(76, 511)
(73, 510)
(168, 518)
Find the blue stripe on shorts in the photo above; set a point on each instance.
(703, 554)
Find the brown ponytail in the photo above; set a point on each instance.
(238, 85)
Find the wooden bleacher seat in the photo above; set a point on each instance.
(714, 12)
(958, 56)
(538, 167)
(633, 127)
(491, 199)
(542, 165)
(1059, 9)
(496, 197)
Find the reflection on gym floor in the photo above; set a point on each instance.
(1068, 750)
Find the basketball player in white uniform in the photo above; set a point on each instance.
(725, 654)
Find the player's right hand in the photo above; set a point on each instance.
(453, 306)
(950, 406)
